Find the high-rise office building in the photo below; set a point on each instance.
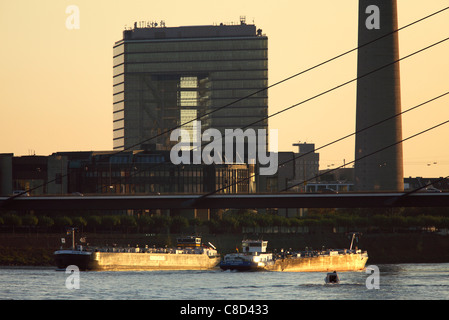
(378, 153)
(164, 77)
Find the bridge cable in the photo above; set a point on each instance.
(333, 89)
(277, 83)
(372, 153)
(331, 143)
(285, 79)
(286, 109)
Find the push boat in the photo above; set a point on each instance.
(255, 258)
(189, 254)
(332, 278)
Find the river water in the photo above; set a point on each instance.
(394, 282)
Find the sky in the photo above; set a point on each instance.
(56, 83)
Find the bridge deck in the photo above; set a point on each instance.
(281, 200)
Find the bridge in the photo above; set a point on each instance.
(223, 201)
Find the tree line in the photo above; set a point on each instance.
(230, 221)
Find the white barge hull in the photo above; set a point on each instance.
(325, 263)
(152, 261)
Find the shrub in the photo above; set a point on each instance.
(178, 223)
(264, 221)
(12, 220)
(230, 224)
(110, 222)
(79, 222)
(62, 222)
(29, 220)
(93, 222)
(45, 222)
(160, 223)
(128, 222)
(214, 226)
(144, 222)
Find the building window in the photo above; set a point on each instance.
(188, 82)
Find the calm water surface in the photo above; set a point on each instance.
(400, 281)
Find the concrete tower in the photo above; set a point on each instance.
(378, 98)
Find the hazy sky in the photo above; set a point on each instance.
(56, 83)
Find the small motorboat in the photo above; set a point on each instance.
(332, 278)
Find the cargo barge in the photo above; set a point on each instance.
(255, 258)
(190, 254)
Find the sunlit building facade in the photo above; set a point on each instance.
(164, 77)
(144, 172)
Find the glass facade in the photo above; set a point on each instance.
(164, 76)
(140, 172)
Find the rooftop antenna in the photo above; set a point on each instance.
(242, 19)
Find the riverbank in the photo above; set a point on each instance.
(35, 249)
